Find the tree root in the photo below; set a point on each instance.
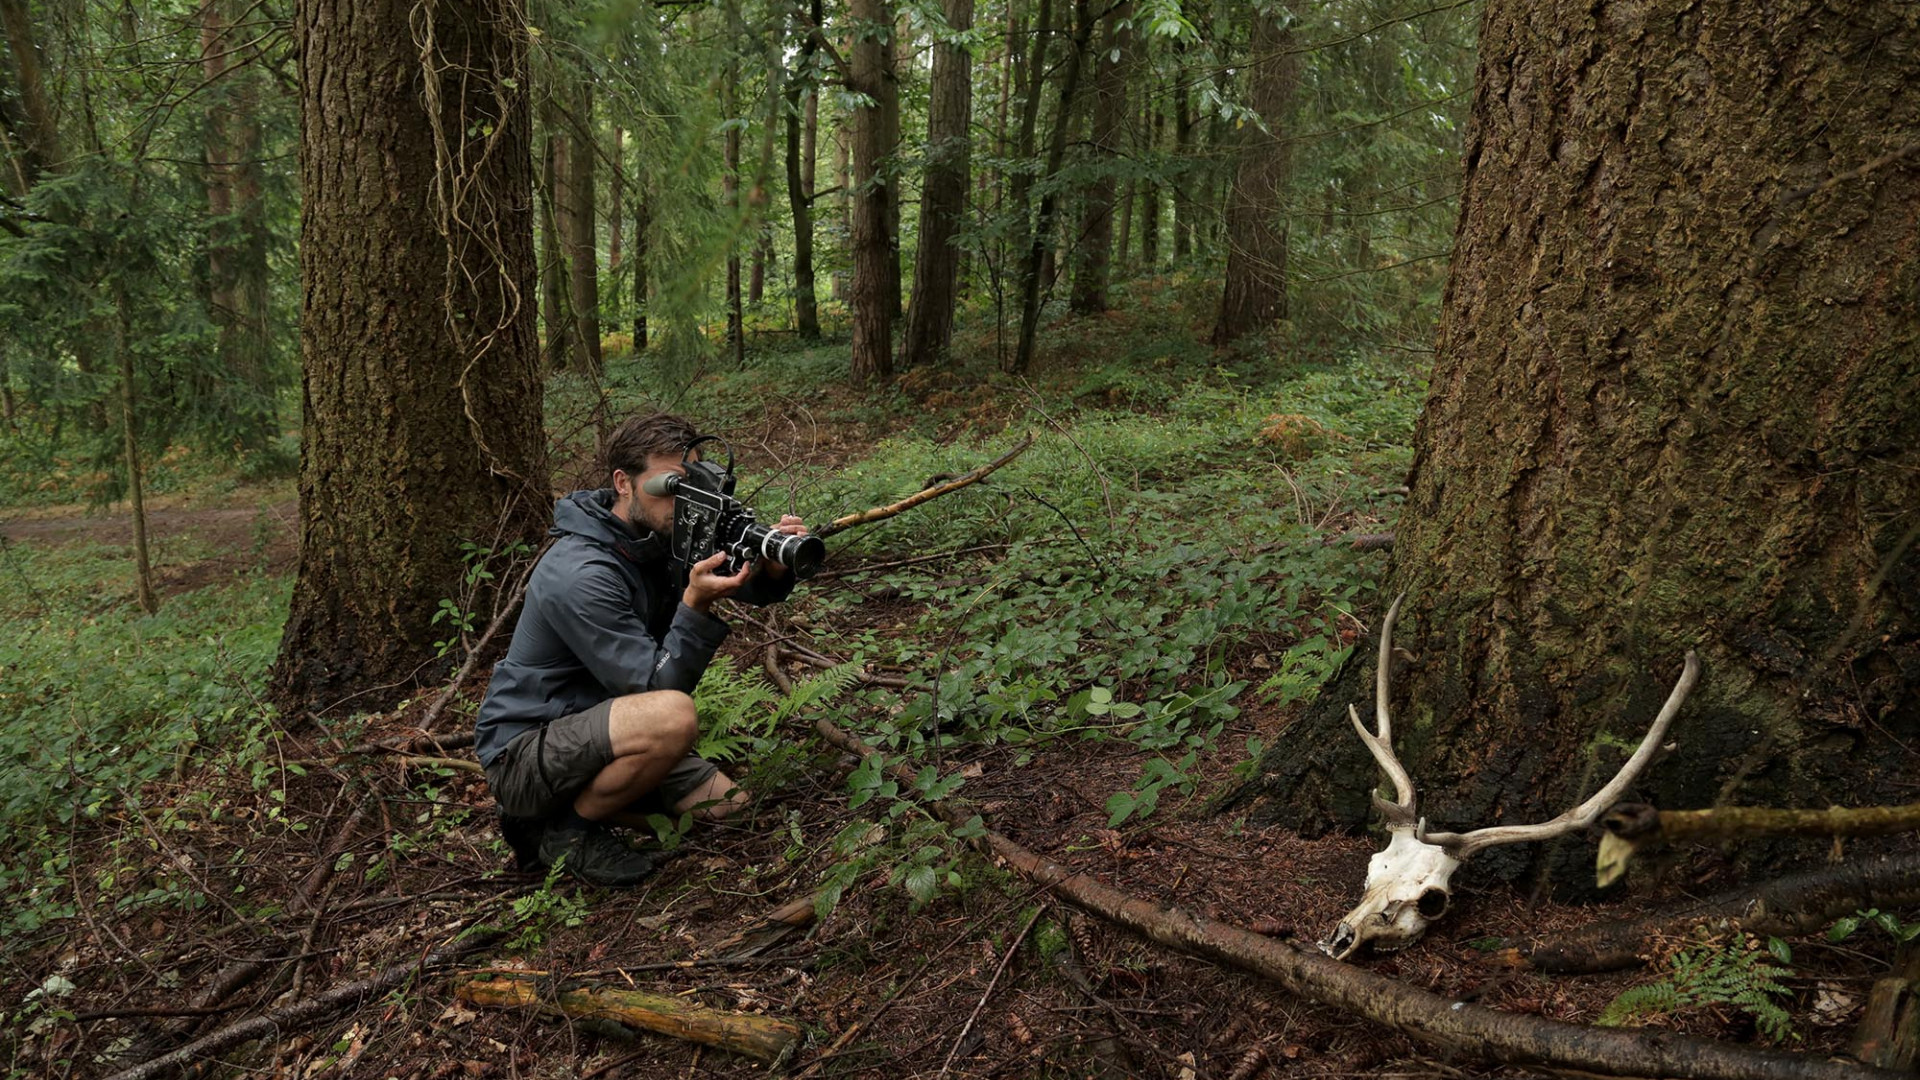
(1464, 1027)
(1799, 904)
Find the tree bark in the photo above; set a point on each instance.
(875, 264)
(1155, 123)
(1041, 244)
(800, 148)
(130, 441)
(1671, 408)
(943, 198)
(421, 383)
(580, 232)
(616, 210)
(1183, 157)
(730, 198)
(553, 261)
(1095, 251)
(39, 136)
(1255, 292)
(642, 223)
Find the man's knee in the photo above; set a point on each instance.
(663, 717)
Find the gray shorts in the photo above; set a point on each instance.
(541, 770)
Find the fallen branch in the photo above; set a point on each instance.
(1459, 1025)
(1635, 827)
(934, 491)
(892, 682)
(290, 1018)
(947, 1066)
(762, 1038)
(777, 926)
(1800, 904)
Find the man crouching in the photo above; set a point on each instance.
(590, 717)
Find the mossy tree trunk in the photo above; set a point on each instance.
(1673, 407)
(421, 374)
(943, 197)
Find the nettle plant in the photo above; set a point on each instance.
(1409, 884)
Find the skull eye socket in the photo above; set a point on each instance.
(1433, 903)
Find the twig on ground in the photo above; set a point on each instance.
(947, 1066)
(881, 513)
(289, 1018)
(869, 568)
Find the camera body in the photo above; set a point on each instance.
(707, 518)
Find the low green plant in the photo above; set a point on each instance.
(1742, 973)
(544, 910)
(1900, 932)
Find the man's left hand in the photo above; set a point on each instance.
(792, 526)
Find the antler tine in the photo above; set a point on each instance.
(1463, 846)
(1400, 812)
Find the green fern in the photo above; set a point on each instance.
(738, 711)
(1738, 973)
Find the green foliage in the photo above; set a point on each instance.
(1740, 973)
(544, 910)
(1900, 932)
(739, 712)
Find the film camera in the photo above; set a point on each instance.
(707, 518)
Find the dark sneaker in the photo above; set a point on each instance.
(595, 856)
(523, 836)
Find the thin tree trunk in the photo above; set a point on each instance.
(422, 426)
(1184, 164)
(1041, 245)
(800, 149)
(129, 430)
(1255, 292)
(642, 223)
(943, 199)
(1126, 224)
(730, 198)
(1094, 262)
(757, 277)
(898, 53)
(237, 249)
(553, 261)
(582, 234)
(1150, 193)
(875, 264)
(616, 211)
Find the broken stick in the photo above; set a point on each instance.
(881, 513)
(1632, 827)
(762, 1038)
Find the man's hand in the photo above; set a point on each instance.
(792, 526)
(704, 586)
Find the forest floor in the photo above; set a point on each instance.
(311, 857)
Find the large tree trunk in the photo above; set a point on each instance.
(875, 265)
(943, 197)
(1672, 408)
(1095, 250)
(422, 389)
(1255, 293)
(237, 249)
(580, 232)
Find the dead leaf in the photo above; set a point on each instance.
(457, 1014)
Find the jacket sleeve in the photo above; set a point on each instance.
(601, 628)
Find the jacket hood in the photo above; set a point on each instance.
(589, 515)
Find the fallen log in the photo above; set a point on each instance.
(762, 1038)
(1798, 904)
(1458, 1025)
(1633, 827)
(932, 491)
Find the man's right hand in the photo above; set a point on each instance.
(704, 586)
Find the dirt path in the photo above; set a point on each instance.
(227, 540)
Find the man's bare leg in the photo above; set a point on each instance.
(726, 798)
(650, 733)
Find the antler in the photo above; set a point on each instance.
(1400, 812)
(1464, 846)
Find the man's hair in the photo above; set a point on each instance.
(644, 436)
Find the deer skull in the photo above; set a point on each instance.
(1408, 883)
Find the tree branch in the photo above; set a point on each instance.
(934, 491)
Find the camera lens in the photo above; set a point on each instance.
(801, 554)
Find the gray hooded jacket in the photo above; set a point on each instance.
(603, 618)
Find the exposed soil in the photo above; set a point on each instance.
(262, 534)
